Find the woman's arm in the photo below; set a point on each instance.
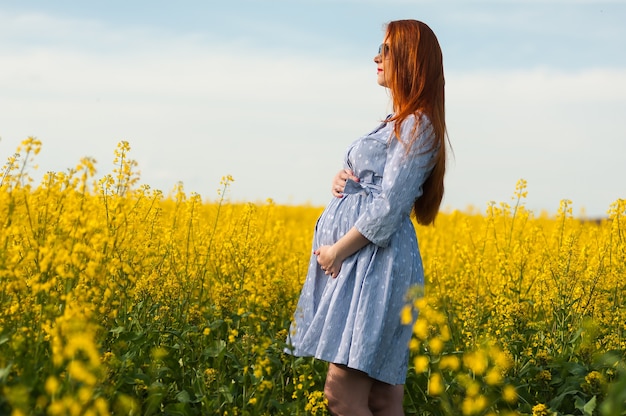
(404, 174)
(330, 258)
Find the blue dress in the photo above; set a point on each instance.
(354, 319)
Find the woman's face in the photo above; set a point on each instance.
(382, 62)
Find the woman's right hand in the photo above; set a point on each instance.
(339, 181)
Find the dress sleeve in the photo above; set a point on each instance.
(403, 177)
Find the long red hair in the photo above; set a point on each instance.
(417, 83)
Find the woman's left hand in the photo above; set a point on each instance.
(328, 260)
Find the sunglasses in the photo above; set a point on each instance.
(383, 49)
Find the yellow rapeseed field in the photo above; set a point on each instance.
(118, 299)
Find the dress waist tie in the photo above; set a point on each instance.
(363, 187)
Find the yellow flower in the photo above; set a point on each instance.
(210, 375)
(544, 375)
(265, 385)
(472, 388)
(449, 362)
(80, 372)
(474, 405)
(501, 358)
(406, 317)
(435, 384)
(420, 329)
(595, 383)
(414, 344)
(316, 403)
(436, 345)
(476, 361)
(509, 394)
(541, 410)
(421, 363)
(158, 353)
(52, 385)
(493, 377)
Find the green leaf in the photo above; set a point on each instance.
(118, 330)
(227, 394)
(183, 397)
(216, 349)
(4, 372)
(590, 406)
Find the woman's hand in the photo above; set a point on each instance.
(339, 181)
(328, 260)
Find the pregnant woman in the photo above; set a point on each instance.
(365, 252)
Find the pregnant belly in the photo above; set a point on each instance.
(339, 217)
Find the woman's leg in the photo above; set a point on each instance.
(386, 399)
(347, 391)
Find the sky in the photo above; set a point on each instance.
(273, 92)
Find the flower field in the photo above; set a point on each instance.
(118, 299)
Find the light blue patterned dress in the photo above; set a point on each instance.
(354, 319)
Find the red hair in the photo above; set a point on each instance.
(417, 83)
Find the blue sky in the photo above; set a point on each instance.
(272, 92)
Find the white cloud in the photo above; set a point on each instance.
(192, 112)
(195, 109)
(563, 132)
